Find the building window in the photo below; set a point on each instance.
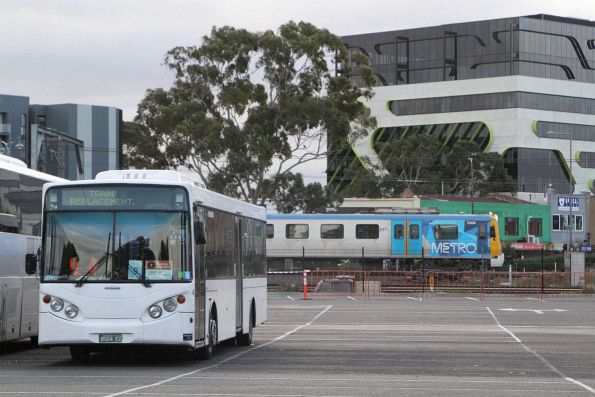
(535, 227)
(270, 231)
(331, 231)
(556, 222)
(298, 231)
(511, 226)
(367, 231)
(446, 232)
(578, 222)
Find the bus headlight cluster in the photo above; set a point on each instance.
(155, 311)
(169, 305)
(61, 307)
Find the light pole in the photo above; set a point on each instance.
(571, 187)
(471, 184)
(528, 222)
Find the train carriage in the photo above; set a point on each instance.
(385, 236)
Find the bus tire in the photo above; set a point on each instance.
(34, 341)
(207, 351)
(246, 339)
(79, 353)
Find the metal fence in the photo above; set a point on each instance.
(377, 283)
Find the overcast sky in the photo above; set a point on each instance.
(108, 52)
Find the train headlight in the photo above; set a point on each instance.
(155, 311)
(169, 305)
(71, 311)
(57, 304)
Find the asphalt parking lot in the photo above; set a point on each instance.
(437, 346)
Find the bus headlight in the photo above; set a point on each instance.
(57, 304)
(155, 311)
(169, 305)
(71, 311)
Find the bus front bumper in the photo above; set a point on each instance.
(176, 329)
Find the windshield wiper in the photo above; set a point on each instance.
(95, 266)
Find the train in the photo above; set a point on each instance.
(325, 240)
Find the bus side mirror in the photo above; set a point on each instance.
(199, 232)
(30, 264)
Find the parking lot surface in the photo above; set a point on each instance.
(343, 346)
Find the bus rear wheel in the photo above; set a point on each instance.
(246, 339)
(79, 353)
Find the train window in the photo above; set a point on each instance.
(270, 230)
(482, 231)
(367, 231)
(297, 231)
(399, 232)
(492, 232)
(413, 232)
(331, 231)
(446, 232)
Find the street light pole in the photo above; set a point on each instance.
(471, 184)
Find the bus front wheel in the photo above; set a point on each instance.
(206, 352)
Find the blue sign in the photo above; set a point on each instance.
(564, 203)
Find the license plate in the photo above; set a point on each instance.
(110, 338)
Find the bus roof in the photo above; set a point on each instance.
(18, 167)
(196, 189)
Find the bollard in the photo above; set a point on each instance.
(305, 284)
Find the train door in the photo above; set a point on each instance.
(414, 238)
(240, 227)
(398, 238)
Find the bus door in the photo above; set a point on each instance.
(240, 227)
(414, 239)
(199, 280)
(398, 240)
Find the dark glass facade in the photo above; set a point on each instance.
(535, 169)
(539, 46)
(500, 100)
(581, 132)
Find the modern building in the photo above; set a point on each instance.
(523, 87)
(71, 141)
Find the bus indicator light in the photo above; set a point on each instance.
(47, 299)
(181, 299)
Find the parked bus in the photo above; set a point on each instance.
(20, 228)
(149, 258)
(321, 240)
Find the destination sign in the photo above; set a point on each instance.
(99, 198)
(116, 197)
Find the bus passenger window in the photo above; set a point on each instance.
(413, 232)
(399, 232)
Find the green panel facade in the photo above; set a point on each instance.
(518, 215)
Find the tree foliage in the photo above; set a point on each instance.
(247, 108)
(424, 165)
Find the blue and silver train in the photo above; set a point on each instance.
(384, 236)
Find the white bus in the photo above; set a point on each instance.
(20, 228)
(149, 258)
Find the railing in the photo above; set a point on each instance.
(377, 283)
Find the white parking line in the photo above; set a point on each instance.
(414, 299)
(352, 298)
(534, 299)
(285, 335)
(289, 297)
(470, 298)
(541, 358)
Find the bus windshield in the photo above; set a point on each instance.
(116, 246)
